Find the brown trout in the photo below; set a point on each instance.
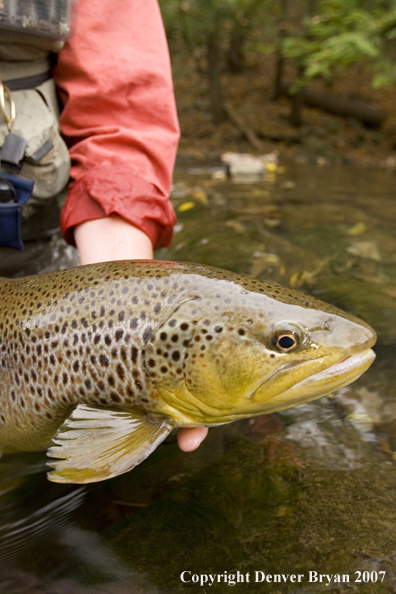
(106, 359)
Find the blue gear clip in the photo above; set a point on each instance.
(11, 213)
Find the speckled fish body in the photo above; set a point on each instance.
(107, 359)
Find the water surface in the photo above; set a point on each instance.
(309, 489)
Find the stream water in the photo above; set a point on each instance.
(308, 491)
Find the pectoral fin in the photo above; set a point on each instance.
(95, 444)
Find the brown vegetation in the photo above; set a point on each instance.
(322, 136)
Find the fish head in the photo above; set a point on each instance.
(233, 352)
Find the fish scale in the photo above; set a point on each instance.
(106, 359)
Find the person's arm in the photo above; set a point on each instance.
(112, 238)
(119, 118)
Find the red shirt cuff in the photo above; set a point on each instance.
(110, 189)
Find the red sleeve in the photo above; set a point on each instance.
(119, 117)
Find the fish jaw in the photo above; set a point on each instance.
(339, 374)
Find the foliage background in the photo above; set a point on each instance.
(241, 53)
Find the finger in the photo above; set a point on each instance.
(189, 439)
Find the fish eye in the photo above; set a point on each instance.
(288, 336)
(285, 342)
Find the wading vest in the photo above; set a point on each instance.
(35, 163)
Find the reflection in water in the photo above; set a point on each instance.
(311, 488)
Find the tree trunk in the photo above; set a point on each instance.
(235, 56)
(277, 89)
(214, 73)
(280, 60)
(297, 105)
(340, 105)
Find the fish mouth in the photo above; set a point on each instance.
(352, 364)
(336, 376)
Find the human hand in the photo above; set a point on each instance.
(113, 238)
(190, 439)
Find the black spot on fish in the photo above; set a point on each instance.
(119, 334)
(104, 361)
(120, 371)
(115, 397)
(135, 353)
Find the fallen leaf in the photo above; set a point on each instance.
(357, 229)
(186, 206)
